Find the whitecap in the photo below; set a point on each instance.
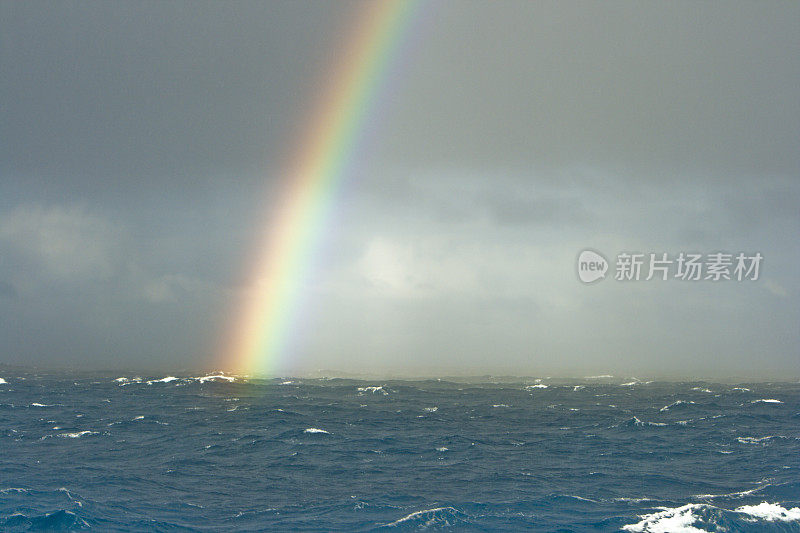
(441, 449)
(162, 380)
(754, 440)
(36, 404)
(287, 382)
(500, 405)
(581, 498)
(668, 520)
(316, 430)
(215, 377)
(702, 389)
(675, 404)
(739, 494)
(681, 519)
(629, 384)
(767, 400)
(125, 381)
(601, 376)
(633, 500)
(77, 435)
(430, 409)
(373, 390)
(771, 512)
(2, 381)
(741, 389)
(430, 514)
(537, 386)
(12, 489)
(576, 388)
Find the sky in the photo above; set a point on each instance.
(144, 144)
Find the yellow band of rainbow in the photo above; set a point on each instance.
(258, 340)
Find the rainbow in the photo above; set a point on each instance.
(258, 342)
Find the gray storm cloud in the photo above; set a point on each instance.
(142, 144)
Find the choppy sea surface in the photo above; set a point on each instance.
(180, 453)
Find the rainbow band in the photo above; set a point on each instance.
(261, 333)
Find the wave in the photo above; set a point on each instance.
(10, 490)
(373, 390)
(771, 512)
(679, 403)
(635, 422)
(697, 517)
(58, 520)
(435, 518)
(167, 379)
(766, 400)
(2, 381)
(122, 381)
(77, 434)
(537, 386)
(215, 377)
(316, 430)
(740, 494)
(758, 440)
(127, 381)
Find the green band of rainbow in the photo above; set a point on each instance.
(260, 334)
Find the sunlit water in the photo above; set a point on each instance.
(210, 454)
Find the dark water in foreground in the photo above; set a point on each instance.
(208, 454)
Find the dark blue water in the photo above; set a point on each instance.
(80, 452)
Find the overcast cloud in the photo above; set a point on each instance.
(142, 142)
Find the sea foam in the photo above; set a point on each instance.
(438, 517)
(683, 519)
(163, 380)
(675, 404)
(771, 512)
(373, 390)
(77, 434)
(215, 377)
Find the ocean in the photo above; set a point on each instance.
(211, 453)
